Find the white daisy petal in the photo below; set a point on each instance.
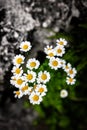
(30, 76)
(19, 81)
(47, 48)
(59, 50)
(32, 64)
(18, 60)
(66, 67)
(70, 80)
(13, 79)
(43, 77)
(18, 94)
(35, 98)
(41, 88)
(63, 62)
(72, 72)
(51, 53)
(25, 46)
(17, 71)
(63, 93)
(55, 63)
(25, 89)
(61, 42)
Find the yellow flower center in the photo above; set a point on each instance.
(49, 49)
(33, 64)
(63, 93)
(51, 54)
(59, 50)
(24, 88)
(17, 71)
(71, 71)
(35, 86)
(55, 63)
(70, 79)
(25, 47)
(19, 81)
(62, 63)
(29, 76)
(41, 90)
(35, 97)
(17, 93)
(14, 79)
(66, 67)
(31, 90)
(61, 43)
(19, 60)
(43, 76)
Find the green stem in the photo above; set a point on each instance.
(78, 99)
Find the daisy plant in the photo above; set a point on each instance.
(33, 79)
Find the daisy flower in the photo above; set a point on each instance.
(26, 89)
(66, 67)
(41, 88)
(32, 64)
(18, 60)
(61, 42)
(30, 76)
(63, 93)
(70, 80)
(43, 77)
(18, 94)
(25, 46)
(47, 48)
(63, 62)
(50, 54)
(13, 79)
(59, 50)
(72, 72)
(55, 63)
(35, 98)
(31, 89)
(19, 81)
(17, 71)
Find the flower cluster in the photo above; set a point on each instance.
(31, 81)
(27, 80)
(54, 55)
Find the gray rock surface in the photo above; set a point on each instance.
(16, 117)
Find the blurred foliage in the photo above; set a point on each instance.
(69, 113)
